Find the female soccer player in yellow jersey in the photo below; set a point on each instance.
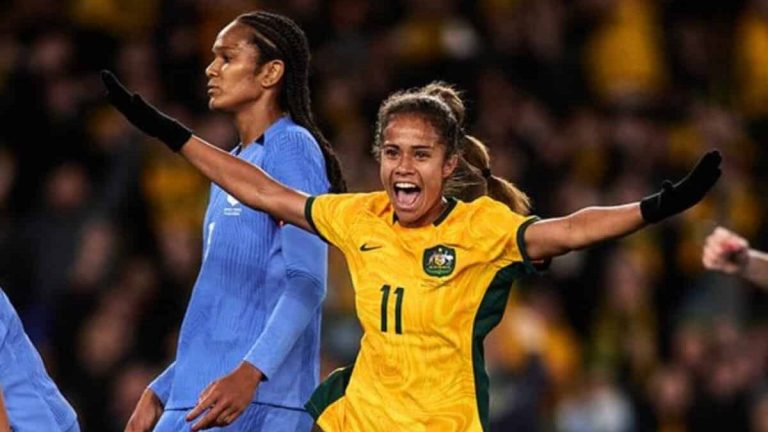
(431, 274)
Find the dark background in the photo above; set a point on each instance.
(584, 102)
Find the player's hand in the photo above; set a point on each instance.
(226, 398)
(146, 414)
(675, 198)
(725, 251)
(143, 115)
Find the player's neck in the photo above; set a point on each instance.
(430, 216)
(257, 118)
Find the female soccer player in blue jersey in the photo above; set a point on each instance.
(253, 320)
(32, 400)
(431, 274)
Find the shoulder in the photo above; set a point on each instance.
(350, 208)
(299, 132)
(292, 144)
(487, 216)
(338, 217)
(374, 203)
(292, 136)
(486, 208)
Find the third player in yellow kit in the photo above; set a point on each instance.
(431, 274)
(426, 298)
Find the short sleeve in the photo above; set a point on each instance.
(502, 232)
(515, 250)
(331, 216)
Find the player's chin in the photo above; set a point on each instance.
(216, 104)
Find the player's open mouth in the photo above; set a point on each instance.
(406, 195)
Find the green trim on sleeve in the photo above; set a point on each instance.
(308, 217)
(521, 237)
(531, 266)
(329, 391)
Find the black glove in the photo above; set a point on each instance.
(143, 115)
(673, 199)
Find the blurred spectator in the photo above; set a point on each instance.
(624, 338)
(759, 414)
(7, 222)
(585, 101)
(751, 59)
(670, 395)
(597, 405)
(623, 59)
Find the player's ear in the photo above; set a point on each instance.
(450, 164)
(272, 73)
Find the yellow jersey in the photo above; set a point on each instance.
(426, 298)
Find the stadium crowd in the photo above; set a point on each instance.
(583, 102)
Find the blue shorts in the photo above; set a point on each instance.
(257, 417)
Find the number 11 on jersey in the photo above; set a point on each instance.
(399, 293)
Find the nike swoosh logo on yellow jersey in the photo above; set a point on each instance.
(365, 248)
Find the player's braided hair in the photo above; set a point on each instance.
(442, 105)
(279, 38)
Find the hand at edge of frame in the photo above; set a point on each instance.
(725, 251)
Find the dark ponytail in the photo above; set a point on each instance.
(476, 160)
(473, 178)
(279, 38)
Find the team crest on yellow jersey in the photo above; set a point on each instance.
(439, 261)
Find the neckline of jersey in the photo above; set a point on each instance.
(450, 205)
(277, 125)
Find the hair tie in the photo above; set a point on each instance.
(486, 173)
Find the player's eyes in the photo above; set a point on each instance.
(390, 152)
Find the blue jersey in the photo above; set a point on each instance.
(257, 296)
(31, 398)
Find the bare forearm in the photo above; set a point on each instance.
(552, 237)
(756, 270)
(594, 225)
(246, 182)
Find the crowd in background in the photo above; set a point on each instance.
(582, 102)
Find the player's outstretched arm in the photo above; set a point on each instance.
(246, 182)
(552, 237)
(728, 252)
